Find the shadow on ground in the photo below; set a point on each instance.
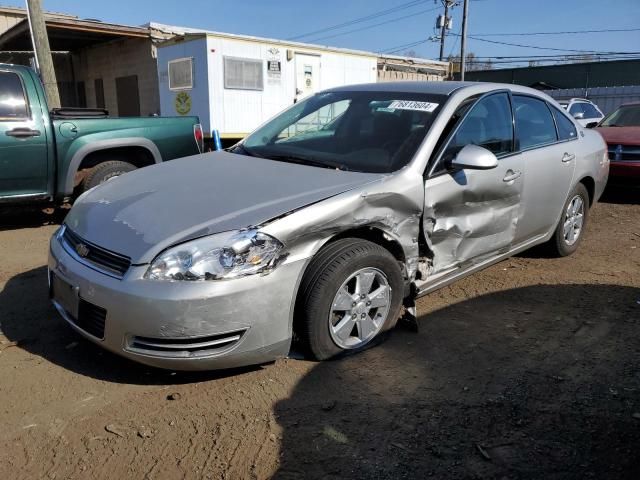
(29, 319)
(621, 194)
(529, 383)
(17, 216)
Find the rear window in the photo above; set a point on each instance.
(590, 111)
(13, 104)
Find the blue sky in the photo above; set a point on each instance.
(288, 18)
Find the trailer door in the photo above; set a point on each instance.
(307, 75)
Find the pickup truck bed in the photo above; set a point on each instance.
(51, 156)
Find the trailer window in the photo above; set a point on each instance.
(322, 122)
(243, 73)
(181, 74)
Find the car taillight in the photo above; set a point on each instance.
(199, 136)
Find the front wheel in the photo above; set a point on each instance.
(570, 228)
(351, 293)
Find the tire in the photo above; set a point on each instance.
(344, 263)
(571, 226)
(105, 171)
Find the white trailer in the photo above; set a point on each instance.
(236, 82)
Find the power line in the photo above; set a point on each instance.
(537, 47)
(455, 42)
(556, 33)
(595, 54)
(398, 48)
(558, 59)
(420, 12)
(371, 16)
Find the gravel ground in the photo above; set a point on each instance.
(529, 369)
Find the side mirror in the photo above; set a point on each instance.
(591, 124)
(578, 115)
(473, 157)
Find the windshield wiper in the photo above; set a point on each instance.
(240, 149)
(304, 160)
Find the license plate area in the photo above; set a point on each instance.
(65, 294)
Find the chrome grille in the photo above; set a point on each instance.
(101, 258)
(624, 153)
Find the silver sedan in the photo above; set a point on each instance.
(323, 223)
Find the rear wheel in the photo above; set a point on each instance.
(351, 293)
(105, 171)
(573, 221)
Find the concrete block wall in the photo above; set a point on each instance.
(135, 56)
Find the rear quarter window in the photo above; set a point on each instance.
(566, 128)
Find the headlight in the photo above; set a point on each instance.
(221, 256)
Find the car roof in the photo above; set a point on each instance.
(577, 99)
(434, 88)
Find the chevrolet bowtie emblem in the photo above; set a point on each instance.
(82, 250)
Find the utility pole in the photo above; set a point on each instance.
(463, 40)
(445, 24)
(44, 61)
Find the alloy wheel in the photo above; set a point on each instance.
(360, 308)
(573, 220)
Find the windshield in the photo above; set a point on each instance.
(374, 132)
(625, 116)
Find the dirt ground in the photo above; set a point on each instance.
(530, 369)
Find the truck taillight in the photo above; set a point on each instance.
(199, 136)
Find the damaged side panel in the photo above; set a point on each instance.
(471, 214)
(393, 205)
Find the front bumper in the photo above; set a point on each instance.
(625, 170)
(178, 325)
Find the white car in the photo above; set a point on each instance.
(583, 111)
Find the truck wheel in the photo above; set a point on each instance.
(350, 294)
(105, 171)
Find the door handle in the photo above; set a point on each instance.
(567, 157)
(512, 175)
(22, 133)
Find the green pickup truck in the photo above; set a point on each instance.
(52, 156)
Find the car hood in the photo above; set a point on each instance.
(620, 135)
(143, 212)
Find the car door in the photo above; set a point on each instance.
(471, 215)
(23, 145)
(549, 164)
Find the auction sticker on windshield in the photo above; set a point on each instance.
(412, 105)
